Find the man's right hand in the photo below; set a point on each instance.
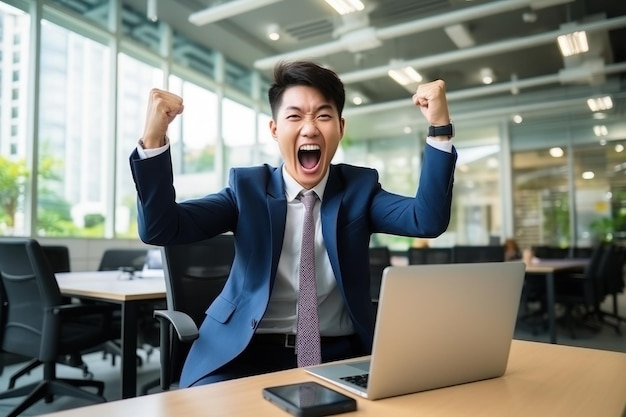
(163, 107)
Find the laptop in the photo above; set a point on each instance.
(437, 326)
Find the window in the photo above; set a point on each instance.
(541, 197)
(136, 79)
(14, 24)
(74, 134)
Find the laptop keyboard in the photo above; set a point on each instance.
(359, 380)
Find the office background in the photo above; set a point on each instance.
(536, 162)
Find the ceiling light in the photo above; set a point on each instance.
(619, 148)
(599, 116)
(588, 175)
(405, 76)
(346, 6)
(273, 32)
(486, 75)
(600, 103)
(556, 152)
(600, 130)
(518, 118)
(407, 129)
(573, 43)
(358, 100)
(151, 10)
(459, 34)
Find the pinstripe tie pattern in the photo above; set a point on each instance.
(308, 335)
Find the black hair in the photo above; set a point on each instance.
(289, 74)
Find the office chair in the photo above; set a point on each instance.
(582, 293)
(550, 252)
(194, 276)
(40, 326)
(480, 253)
(116, 258)
(58, 257)
(379, 259)
(421, 256)
(613, 280)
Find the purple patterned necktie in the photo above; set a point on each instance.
(308, 336)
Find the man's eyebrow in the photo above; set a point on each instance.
(326, 106)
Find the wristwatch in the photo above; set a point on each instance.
(446, 130)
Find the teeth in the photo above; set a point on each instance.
(310, 148)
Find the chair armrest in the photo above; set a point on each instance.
(184, 326)
(186, 331)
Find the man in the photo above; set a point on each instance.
(252, 326)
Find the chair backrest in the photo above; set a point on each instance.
(611, 270)
(468, 254)
(58, 256)
(379, 259)
(195, 274)
(30, 288)
(420, 256)
(550, 252)
(116, 258)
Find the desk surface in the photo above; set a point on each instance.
(547, 266)
(110, 286)
(541, 380)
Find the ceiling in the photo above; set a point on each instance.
(515, 38)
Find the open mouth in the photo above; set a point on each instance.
(309, 156)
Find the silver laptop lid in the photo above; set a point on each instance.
(441, 325)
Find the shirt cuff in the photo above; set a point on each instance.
(149, 153)
(445, 146)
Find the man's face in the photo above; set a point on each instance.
(308, 130)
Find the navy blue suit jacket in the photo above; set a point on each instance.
(254, 208)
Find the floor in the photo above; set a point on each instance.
(598, 337)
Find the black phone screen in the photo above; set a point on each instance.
(309, 399)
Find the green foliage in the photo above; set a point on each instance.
(93, 220)
(13, 176)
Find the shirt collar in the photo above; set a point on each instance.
(293, 189)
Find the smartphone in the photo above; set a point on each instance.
(309, 399)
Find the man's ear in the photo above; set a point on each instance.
(342, 126)
(273, 129)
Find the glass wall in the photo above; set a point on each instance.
(64, 145)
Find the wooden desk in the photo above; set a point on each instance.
(108, 286)
(541, 380)
(548, 268)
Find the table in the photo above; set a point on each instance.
(542, 379)
(112, 287)
(548, 268)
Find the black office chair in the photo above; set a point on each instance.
(550, 252)
(612, 277)
(422, 256)
(58, 257)
(581, 294)
(480, 253)
(116, 258)
(40, 326)
(194, 276)
(379, 259)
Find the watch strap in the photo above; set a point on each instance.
(445, 130)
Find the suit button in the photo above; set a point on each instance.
(254, 323)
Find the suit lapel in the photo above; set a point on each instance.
(333, 195)
(277, 209)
